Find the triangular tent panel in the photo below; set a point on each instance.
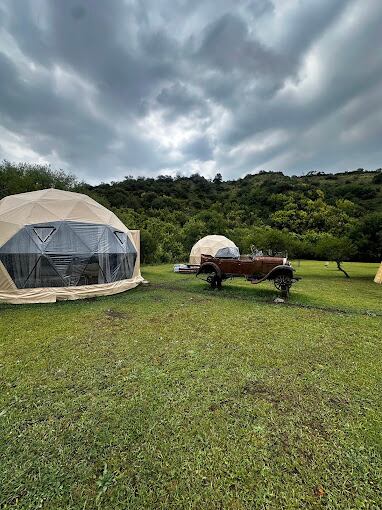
(31, 213)
(62, 208)
(43, 233)
(121, 236)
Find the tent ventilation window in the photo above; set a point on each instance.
(43, 233)
(121, 236)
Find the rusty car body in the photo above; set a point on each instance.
(255, 268)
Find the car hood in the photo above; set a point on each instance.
(276, 261)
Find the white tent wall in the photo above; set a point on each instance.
(136, 237)
(378, 276)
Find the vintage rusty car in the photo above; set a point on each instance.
(255, 268)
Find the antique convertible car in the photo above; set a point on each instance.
(255, 268)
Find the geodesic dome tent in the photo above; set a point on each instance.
(58, 245)
(217, 246)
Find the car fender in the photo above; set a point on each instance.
(275, 271)
(209, 267)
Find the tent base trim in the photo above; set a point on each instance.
(53, 294)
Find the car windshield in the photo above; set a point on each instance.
(255, 252)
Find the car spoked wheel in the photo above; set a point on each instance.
(283, 283)
(213, 280)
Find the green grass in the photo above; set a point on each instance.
(172, 396)
(320, 286)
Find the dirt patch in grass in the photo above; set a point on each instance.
(287, 401)
(115, 314)
(273, 395)
(218, 405)
(319, 491)
(338, 402)
(330, 309)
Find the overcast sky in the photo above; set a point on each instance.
(108, 88)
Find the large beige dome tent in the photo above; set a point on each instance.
(217, 246)
(58, 245)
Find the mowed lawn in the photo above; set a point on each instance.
(174, 396)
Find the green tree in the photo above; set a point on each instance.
(24, 177)
(367, 236)
(337, 249)
(271, 240)
(149, 246)
(273, 211)
(192, 231)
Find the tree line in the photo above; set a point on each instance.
(331, 216)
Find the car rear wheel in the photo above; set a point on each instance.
(213, 280)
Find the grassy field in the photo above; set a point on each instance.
(173, 396)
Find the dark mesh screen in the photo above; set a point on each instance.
(65, 253)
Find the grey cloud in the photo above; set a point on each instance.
(228, 46)
(199, 149)
(308, 23)
(48, 121)
(178, 100)
(214, 73)
(102, 45)
(345, 77)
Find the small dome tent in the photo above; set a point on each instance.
(378, 276)
(217, 246)
(57, 245)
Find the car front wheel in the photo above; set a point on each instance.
(214, 281)
(283, 283)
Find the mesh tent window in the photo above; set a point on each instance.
(121, 236)
(66, 253)
(43, 233)
(228, 252)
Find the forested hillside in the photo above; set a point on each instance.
(310, 216)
